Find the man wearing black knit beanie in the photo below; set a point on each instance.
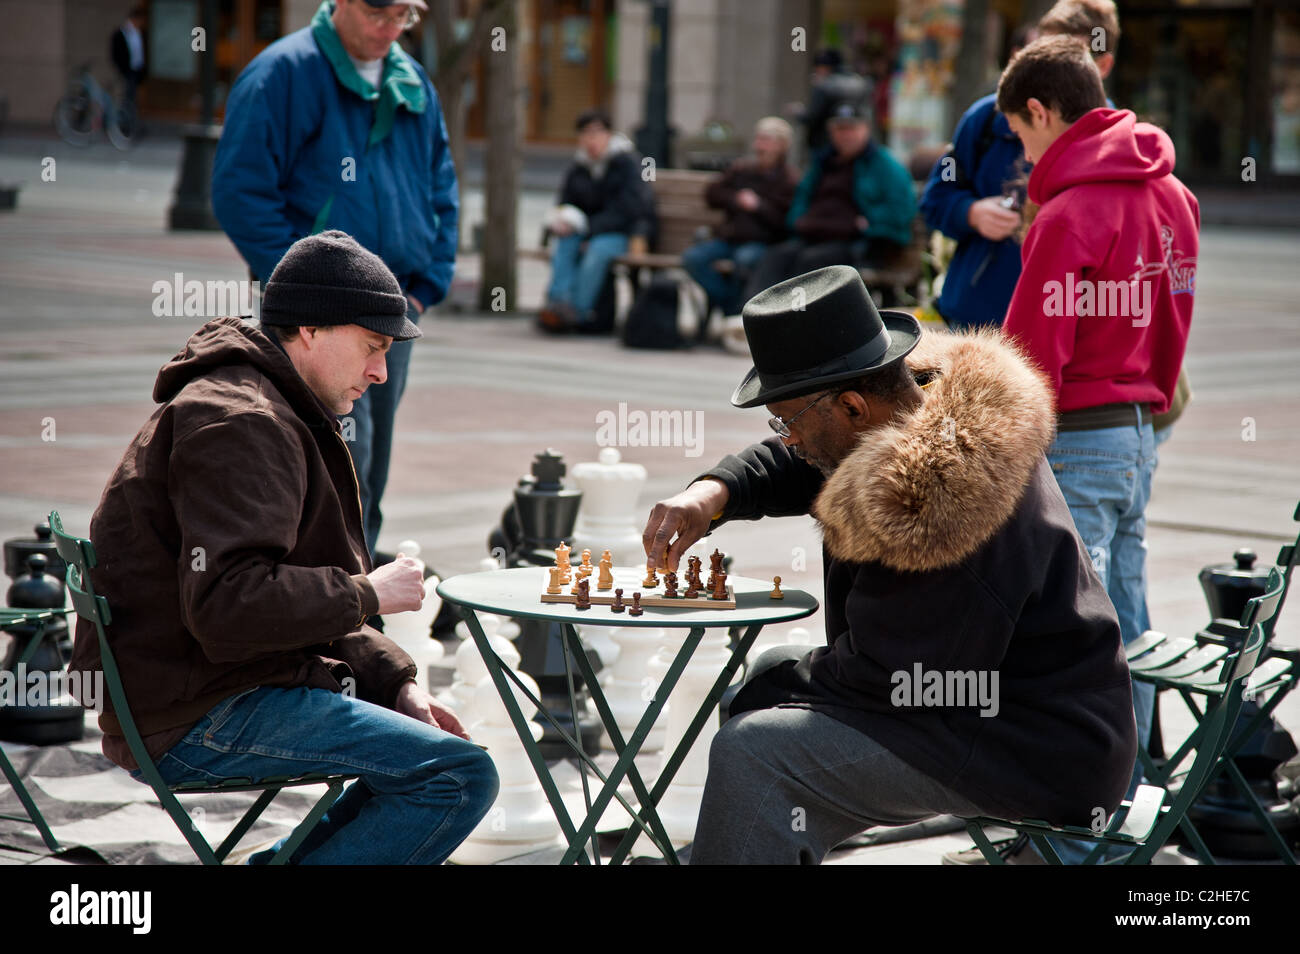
(233, 555)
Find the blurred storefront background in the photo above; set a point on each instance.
(1222, 76)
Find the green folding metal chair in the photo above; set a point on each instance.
(40, 619)
(79, 554)
(1187, 665)
(1146, 823)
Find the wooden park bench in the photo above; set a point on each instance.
(685, 218)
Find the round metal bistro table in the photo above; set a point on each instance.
(517, 592)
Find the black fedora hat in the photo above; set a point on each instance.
(815, 330)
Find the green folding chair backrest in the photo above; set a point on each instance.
(1220, 719)
(1287, 557)
(79, 554)
(1263, 608)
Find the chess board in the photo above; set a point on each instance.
(629, 580)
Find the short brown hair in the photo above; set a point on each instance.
(1057, 71)
(1080, 18)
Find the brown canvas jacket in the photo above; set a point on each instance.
(230, 545)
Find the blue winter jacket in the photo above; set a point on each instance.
(982, 275)
(295, 141)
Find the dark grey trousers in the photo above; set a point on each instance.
(785, 786)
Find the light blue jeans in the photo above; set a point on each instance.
(724, 291)
(421, 790)
(577, 274)
(1105, 477)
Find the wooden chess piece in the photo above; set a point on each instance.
(715, 567)
(554, 587)
(584, 596)
(692, 589)
(635, 609)
(585, 567)
(693, 570)
(606, 578)
(562, 561)
(720, 587)
(577, 579)
(650, 581)
(776, 593)
(617, 606)
(670, 586)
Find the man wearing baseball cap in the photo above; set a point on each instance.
(854, 205)
(335, 127)
(232, 555)
(972, 663)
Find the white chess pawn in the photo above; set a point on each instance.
(521, 819)
(601, 639)
(680, 807)
(630, 684)
(411, 630)
(769, 638)
(470, 668)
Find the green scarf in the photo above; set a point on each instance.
(400, 85)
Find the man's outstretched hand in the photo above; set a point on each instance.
(679, 521)
(399, 585)
(415, 702)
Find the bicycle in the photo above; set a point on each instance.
(87, 105)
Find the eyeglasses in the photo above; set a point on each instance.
(403, 21)
(782, 428)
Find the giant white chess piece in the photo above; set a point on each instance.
(462, 694)
(680, 806)
(601, 639)
(411, 630)
(521, 819)
(630, 683)
(609, 517)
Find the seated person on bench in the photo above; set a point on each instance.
(755, 193)
(603, 203)
(854, 206)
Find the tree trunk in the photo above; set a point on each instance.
(450, 84)
(455, 60)
(501, 100)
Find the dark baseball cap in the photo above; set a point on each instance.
(849, 111)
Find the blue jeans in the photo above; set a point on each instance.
(421, 790)
(577, 274)
(1105, 477)
(723, 290)
(373, 415)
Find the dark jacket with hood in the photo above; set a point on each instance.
(609, 190)
(230, 546)
(948, 546)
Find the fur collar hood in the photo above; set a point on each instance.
(930, 488)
